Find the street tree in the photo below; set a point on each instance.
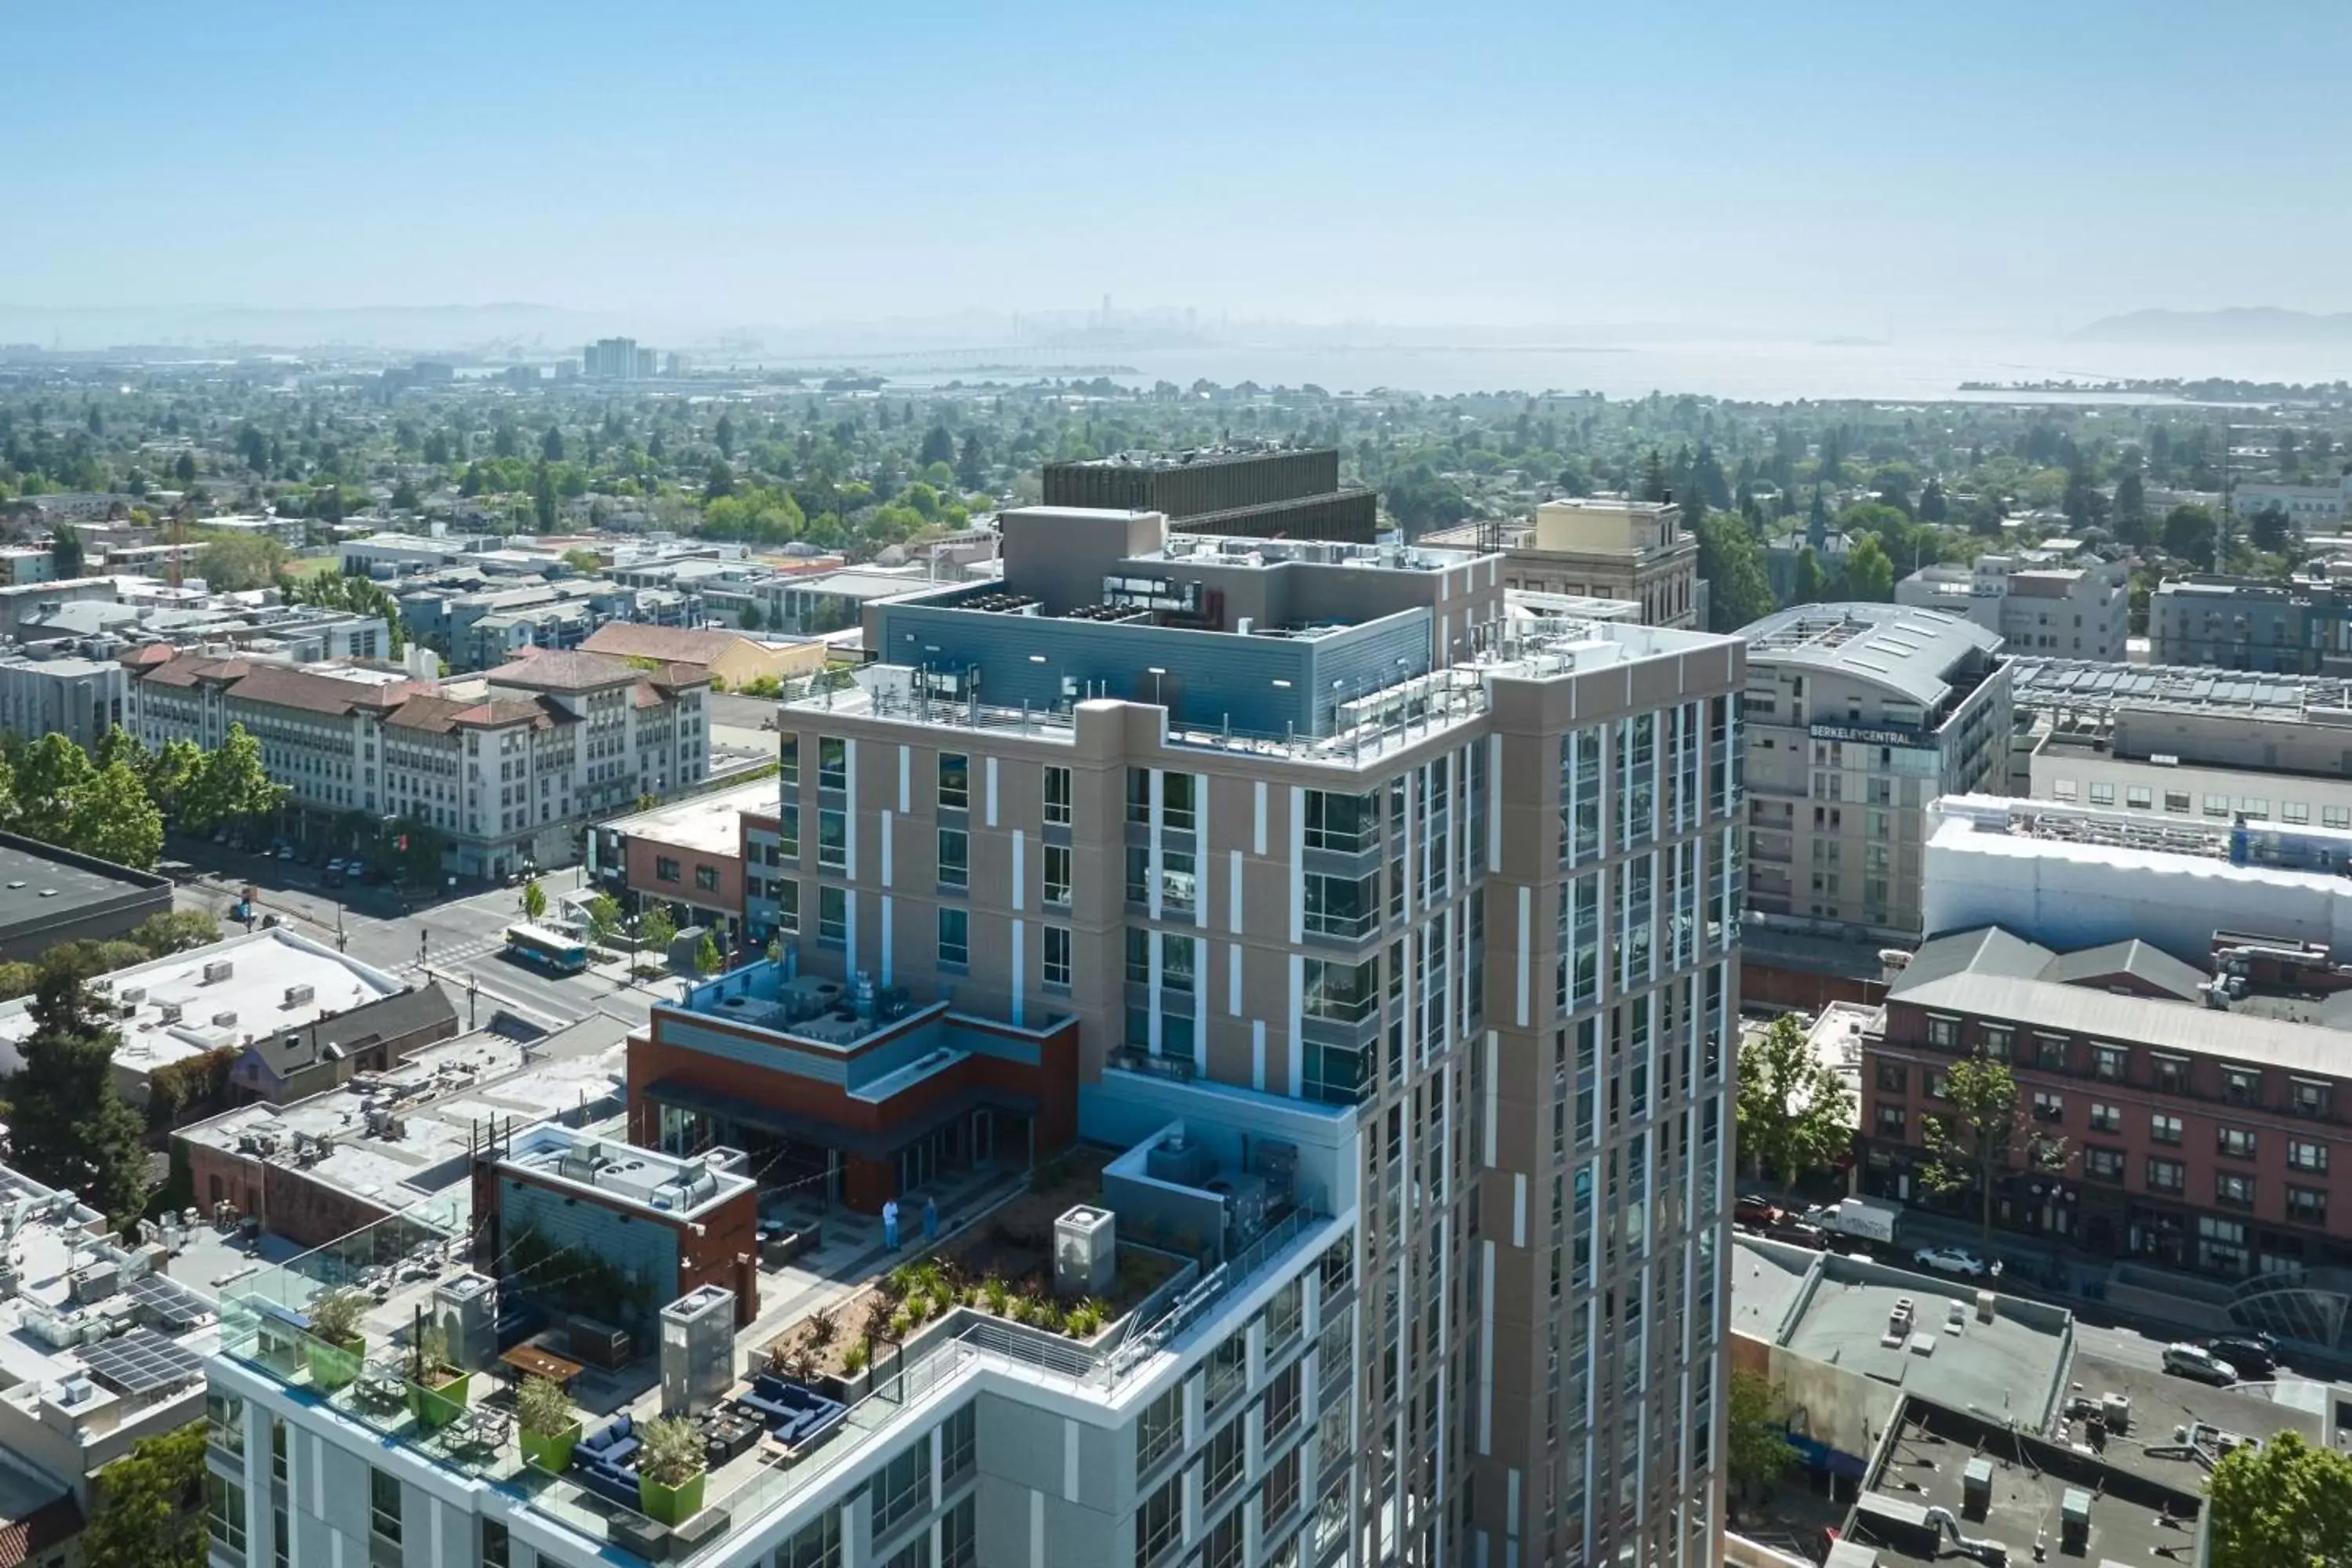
(1732, 563)
(170, 773)
(1795, 1114)
(113, 819)
(1987, 1131)
(148, 1511)
(175, 931)
(65, 552)
(68, 1127)
(1810, 581)
(604, 919)
(1757, 1451)
(708, 959)
(2189, 533)
(534, 900)
(2281, 1504)
(656, 930)
(232, 784)
(51, 780)
(1869, 576)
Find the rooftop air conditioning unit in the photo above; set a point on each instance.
(169, 1012)
(218, 970)
(133, 994)
(225, 1018)
(300, 996)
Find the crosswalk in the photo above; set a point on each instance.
(438, 955)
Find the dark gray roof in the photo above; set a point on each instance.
(288, 1051)
(41, 886)
(1988, 950)
(2133, 957)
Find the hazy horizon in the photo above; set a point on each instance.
(1842, 170)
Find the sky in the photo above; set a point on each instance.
(1818, 167)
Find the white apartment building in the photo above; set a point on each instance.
(507, 765)
(2038, 601)
(80, 698)
(2307, 507)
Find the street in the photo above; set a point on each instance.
(457, 941)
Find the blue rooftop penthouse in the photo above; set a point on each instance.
(1254, 636)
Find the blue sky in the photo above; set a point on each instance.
(1867, 167)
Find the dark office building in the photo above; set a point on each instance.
(1259, 493)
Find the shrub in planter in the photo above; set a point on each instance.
(336, 1348)
(437, 1391)
(550, 1430)
(670, 1470)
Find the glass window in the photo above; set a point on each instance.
(2103, 1164)
(1176, 797)
(2165, 1176)
(2306, 1156)
(832, 914)
(2137, 798)
(955, 857)
(831, 763)
(1228, 1369)
(832, 840)
(1341, 906)
(788, 833)
(224, 1507)
(958, 1435)
(1058, 794)
(955, 936)
(903, 1489)
(1160, 1523)
(1139, 955)
(1057, 873)
(1057, 959)
(1343, 992)
(2235, 1141)
(1177, 957)
(383, 1505)
(955, 782)
(1342, 822)
(1222, 1466)
(1281, 1492)
(817, 1546)
(2305, 1205)
(707, 878)
(1139, 796)
(1139, 874)
(2234, 1189)
(1281, 1402)
(788, 759)
(959, 1534)
(2163, 1129)
(495, 1546)
(2105, 1117)
(1159, 1431)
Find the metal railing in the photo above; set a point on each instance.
(1218, 1283)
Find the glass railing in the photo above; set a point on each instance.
(1143, 1342)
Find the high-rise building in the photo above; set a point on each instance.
(617, 359)
(1392, 942)
(1244, 812)
(1260, 492)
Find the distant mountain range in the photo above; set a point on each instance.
(2256, 325)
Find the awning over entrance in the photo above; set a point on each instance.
(877, 1145)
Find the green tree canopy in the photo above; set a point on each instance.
(1732, 562)
(656, 930)
(114, 819)
(231, 784)
(534, 900)
(1986, 1132)
(2189, 533)
(1869, 576)
(1757, 1451)
(68, 1127)
(1795, 1113)
(148, 1511)
(2285, 1504)
(708, 960)
(175, 931)
(604, 919)
(236, 564)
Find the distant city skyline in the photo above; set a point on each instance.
(1843, 169)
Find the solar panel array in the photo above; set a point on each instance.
(167, 1304)
(141, 1362)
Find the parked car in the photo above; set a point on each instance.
(2252, 1355)
(1950, 1260)
(2197, 1361)
(1798, 1233)
(1753, 1210)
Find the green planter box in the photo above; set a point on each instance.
(437, 1403)
(670, 1505)
(333, 1366)
(551, 1451)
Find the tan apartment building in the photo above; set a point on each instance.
(1600, 547)
(1302, 824)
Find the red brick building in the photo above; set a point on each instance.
(2197, 1136)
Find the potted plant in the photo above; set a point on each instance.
(336, 1347)
(436, 1390)
(670, 1470)
(549, 1429)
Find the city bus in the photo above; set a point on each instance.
(542, 948)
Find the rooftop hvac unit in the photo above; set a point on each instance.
(1085, 1252)
(169, 1012)
(218, 970)
(225, 1018)
(698, 1350)
(133, 994)
(300, 996)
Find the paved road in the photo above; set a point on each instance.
(457, 940)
